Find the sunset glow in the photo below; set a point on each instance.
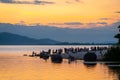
(59, 39)
(54, 12)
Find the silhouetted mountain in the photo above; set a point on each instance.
(90, 35)
(14, 39)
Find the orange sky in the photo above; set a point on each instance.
(61, 12)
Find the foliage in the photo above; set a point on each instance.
(113, 54)
(118, 35)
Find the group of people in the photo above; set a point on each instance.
(77, 49)
(98, 48)
(70, 53)
(73, 50)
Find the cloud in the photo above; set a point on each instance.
(67, 23)
(103, 23)
(73, 23)
(43, 2)
(98, 34)
(104, 18)
(77, 0)
(55, 23)
(118, 12)
(15, 2)
(79, 24)
(68, 2)
(73, 1)
(96, 24)
(35, 2)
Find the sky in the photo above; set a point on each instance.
(60, 13)
(89, 35)
(63, 20)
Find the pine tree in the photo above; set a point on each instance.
(118, 35)
(113, 53)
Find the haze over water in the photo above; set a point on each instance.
(15, 66)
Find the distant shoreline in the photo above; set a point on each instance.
(14, 39)
(56, 44)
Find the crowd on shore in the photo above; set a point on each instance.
(75, 50)
(71, 53)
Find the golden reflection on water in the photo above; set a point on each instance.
(17, 67)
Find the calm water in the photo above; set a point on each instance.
(15, 66)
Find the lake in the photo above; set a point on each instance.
(15, 66)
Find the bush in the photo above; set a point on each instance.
(113, 54)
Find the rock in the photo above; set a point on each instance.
(90, 57)
(56, 58)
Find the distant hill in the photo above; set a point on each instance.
(14, 39)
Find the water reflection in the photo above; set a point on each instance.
(15, 66)
(31, 68)
(90, 64)
(114, 69)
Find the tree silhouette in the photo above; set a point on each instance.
(113, 53)
(118, 35)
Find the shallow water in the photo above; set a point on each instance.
(15, 66)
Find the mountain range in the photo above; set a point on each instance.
(14, 39)
(104, 34)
